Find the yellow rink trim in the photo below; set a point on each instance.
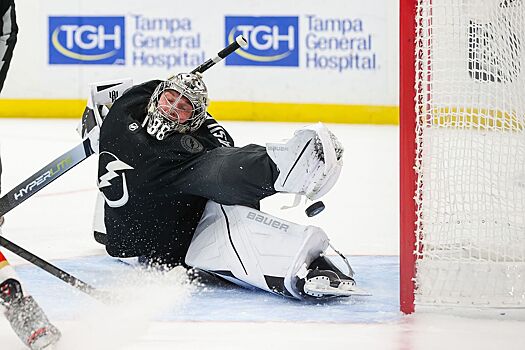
(224, 110)
(10, 108)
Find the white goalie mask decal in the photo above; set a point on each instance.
(104, 181)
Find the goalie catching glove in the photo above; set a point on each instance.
(309, 163)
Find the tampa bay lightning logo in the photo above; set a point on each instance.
(104, 181)
(191, 144)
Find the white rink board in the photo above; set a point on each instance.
(368, 29)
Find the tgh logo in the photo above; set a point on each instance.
(272, 41)
(86, 40)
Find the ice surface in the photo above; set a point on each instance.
(218, 301)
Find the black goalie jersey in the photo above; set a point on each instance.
(155, 191)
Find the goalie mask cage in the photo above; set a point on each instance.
(462, 171)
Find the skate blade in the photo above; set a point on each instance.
(320, 287)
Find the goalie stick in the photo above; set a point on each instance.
(238, 43)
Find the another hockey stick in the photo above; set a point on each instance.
(44, 176)
(55, 271)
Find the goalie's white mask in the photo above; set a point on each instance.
(177, 105)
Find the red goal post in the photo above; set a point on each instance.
(407, 127)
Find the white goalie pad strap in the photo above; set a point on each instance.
(252, 248)
(309, 163)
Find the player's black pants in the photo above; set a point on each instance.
(231, 176)
(8, 33)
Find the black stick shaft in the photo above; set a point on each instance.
(239, 42)
(53, 270)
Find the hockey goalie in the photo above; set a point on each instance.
(175, 190)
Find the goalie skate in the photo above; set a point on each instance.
(326, 284)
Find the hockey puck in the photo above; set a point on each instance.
(314, 209)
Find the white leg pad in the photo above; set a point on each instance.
(309, 163)
(254, 249)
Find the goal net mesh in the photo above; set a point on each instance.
(470, 153)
